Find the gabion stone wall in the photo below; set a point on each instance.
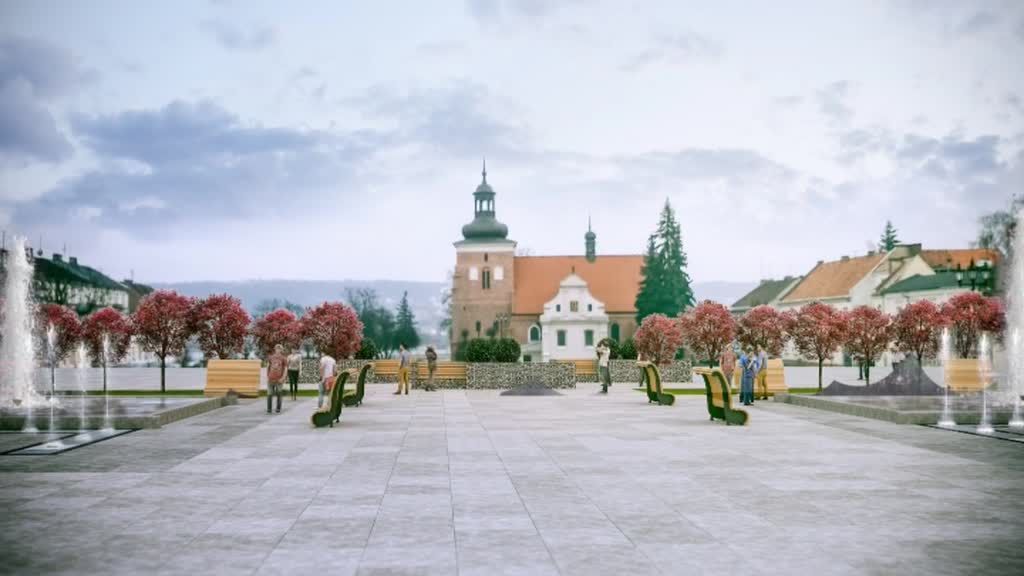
(628, 371)
(501, 375)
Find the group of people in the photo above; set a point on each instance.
(280, 367)
(753, 371)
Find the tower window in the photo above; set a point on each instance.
(574, 306)
(485, 279)
(499, 272)
(561, 338)
(485, 256)
(474, 273)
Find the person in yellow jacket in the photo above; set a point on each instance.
(762, 372)
(404, 362)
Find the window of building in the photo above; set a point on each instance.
(485, 279)
(558, 307)
(590, 307)
(478, 328)
(615, 331)
(588, 337)
(574, 306)
(534, 333)
(499, 272)
(485, 256)
(561, 337)
(473, 273)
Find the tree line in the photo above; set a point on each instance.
(818, 330)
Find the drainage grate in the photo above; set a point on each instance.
(70, 441)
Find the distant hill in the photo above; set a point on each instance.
(721, 292)
(424, 297)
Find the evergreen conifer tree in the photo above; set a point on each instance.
(405, 325)
(665, 286)
(889, 239)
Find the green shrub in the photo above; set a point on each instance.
(627, 350)
(367, 350)
(480, 350)
(506, 350)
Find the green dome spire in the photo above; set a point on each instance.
(484, 225)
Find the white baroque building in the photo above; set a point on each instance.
(572, 324)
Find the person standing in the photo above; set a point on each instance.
(327, 367)
(748, 364)
(276, 366)
(603, 354)
(403, 370)
(762, 373)
(643, 369)
(727, 362)
(294, 368)
(431, 367)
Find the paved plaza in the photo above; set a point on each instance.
(470, 482)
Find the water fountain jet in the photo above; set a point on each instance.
(946, 420)
(985, 373)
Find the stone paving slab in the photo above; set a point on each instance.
(468, 482)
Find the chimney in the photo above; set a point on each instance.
(73, 260)
(820, 262)
(844, 258)
(57, 257)
(871, 252)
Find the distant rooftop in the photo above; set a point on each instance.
(765, 293)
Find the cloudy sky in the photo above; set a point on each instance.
(233, 140)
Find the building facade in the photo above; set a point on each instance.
(496, 293)
(572, 324)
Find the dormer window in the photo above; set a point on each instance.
(590, 307)
(574, 306)
(558, 307)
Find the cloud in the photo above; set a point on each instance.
(237, 38)
(493, 11)
(461, 118)
(33, 74)
(28, 129)
(673, 50)
(833, 102)
(978, 22)
(789, 101)
(195, 162)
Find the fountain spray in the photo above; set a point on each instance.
(1016, 421)
(985, 373)
(51, 356)
(946, 421)
(17, 354)
(106, 394)
(1015, 307)
(80, 378)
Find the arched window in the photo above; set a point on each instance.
(534, 333)
(485, 279)
(615, 331)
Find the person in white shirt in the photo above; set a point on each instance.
(603, 355)
(294, 367)
(404, 361)
(327, 365)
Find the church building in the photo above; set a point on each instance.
(556, 307)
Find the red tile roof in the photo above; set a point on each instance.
(833, 279)
(614, 280)
(950, 259)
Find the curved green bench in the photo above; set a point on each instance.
(654, 393)
(331, 413)
(355, 397)
(719, 398)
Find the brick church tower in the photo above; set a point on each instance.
(483, 286)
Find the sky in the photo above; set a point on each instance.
(229, 140)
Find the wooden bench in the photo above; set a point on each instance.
(445, 371)
(653, 382)
(963, 375)
(719, 398)
(355, 397)
(585, 367)
(239, 376)
(776, 378)
(328, 415)
(386, 368)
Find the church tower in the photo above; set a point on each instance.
(590, 239)
(483, 285)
